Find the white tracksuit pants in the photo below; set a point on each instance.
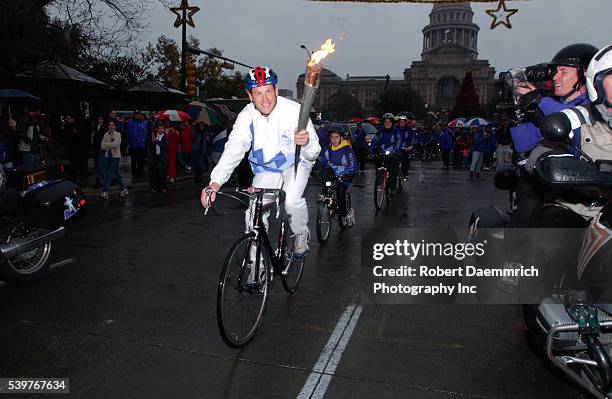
(295, 204)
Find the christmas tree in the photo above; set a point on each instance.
(467, 104)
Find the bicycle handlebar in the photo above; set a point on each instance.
(250, 192)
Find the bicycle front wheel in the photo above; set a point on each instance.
(243, 291)
(400, 180)
(323, 223)
(379, 190)
(341, 219)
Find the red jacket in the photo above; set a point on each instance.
(186, 139)
(173, 139)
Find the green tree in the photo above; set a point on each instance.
(211, 74)
(467, 104)
(342, 105)
(216, 80)
(29, 35)
(398, 100)
(164, 59)
(121, 72)
(84, 34)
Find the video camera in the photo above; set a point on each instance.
(539, 75)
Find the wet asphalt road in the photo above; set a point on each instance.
(130, 312)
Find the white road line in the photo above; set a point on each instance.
(324, 368)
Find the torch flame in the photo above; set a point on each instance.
(326, 48)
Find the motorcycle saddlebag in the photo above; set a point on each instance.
(52, 205)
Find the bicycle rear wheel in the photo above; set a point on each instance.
(241, 296)
(323, 222)
(379, 189)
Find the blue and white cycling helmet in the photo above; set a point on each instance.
(260, 76)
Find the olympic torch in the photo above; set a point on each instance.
(311, 85)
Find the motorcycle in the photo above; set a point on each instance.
(572, 326)
(34, 210)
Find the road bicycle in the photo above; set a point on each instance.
(383, 188)
(252, 265)
(329, 208)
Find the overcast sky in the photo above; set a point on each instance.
(376, 39)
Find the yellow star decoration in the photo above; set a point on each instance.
(179, 14)
(501, 16)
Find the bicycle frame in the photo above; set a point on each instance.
(259, 232)
(385, 171)
(330, 195)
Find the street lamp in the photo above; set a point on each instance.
(307, 51)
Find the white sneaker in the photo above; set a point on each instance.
(124, 192)
(300, 245)
(251, 283)
(349, 220)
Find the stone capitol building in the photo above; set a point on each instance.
(450, 48)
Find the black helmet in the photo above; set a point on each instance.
(335, 128)
(575, 55)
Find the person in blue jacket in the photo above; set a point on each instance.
(137, 136)
(478, 149)
(388, 139)
(323, 134)
(446, 145)
(338, 160)
(361, 146)
(407, 134)
(490, 146)
(570, 90)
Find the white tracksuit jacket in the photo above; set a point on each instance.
(271, 140)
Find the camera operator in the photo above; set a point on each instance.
(570, 65)
(592, 128)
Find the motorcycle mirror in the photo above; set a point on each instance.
(556, 127)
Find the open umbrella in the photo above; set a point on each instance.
(194, 108)
(459, 122)
(477, 122)
(16, 98)
(201, 112)
(218, 144)
(208, 116)
(355, 119)
(14, 95)
(173, 115)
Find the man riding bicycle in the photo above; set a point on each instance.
(267, 126)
